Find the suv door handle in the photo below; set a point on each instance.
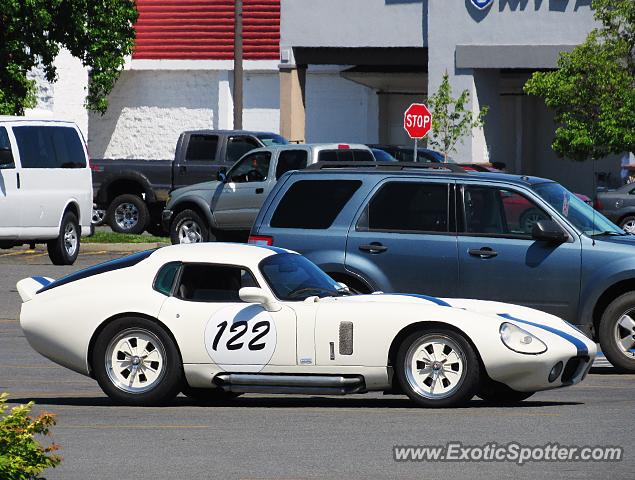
(484, 252)
(260, 190)
(374, 247)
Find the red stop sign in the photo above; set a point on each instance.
(417, 120)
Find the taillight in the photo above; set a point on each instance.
(597, 204)
(343, 146)
(260, 240)
(95, 168)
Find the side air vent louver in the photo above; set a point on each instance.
(346, 338)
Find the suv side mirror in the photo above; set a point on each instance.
(548, 231)
(261, 296)
(6, 157)
(221, 174)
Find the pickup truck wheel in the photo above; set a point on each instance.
(617, 332)
(189, 227)
(65, 248)
(127, 214)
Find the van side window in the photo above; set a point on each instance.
(202, 148)
(213, 283)
(291, 160)
(299, 208)
(4, 138)
(49, 147)
(5, 150)
(407, 207)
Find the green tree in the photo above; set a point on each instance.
(21, 456)
(99, 33)
(593, 91)
(451, 118)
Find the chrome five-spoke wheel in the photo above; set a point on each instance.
(625, 333)
(190, 232)
(71, 237)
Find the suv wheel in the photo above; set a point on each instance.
(127, 214)
(617, 332)
(189, 227)
(65, 248)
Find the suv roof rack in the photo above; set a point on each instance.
(389, 166)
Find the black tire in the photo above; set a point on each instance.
(159, 390)
(127, 214)
(209, 396)
(608, 331)
(61, 250)
(630, 220)
(466, 385)
(194, 220)
(499, 394)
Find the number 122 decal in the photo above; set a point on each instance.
(241, 335)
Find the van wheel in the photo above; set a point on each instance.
(617, 332)
(189, 227)
(65, 248)
(437, 368)
(127, 214)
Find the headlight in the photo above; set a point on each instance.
(521, 341)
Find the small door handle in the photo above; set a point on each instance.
(260, 190)
(374, 247)
(17, 178)
(484, 252)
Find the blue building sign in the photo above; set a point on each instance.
(482, 4)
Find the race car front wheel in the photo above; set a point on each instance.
(136, 363)
(437, 368)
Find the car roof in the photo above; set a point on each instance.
(420, 169)
(33, 118)
(230, 132)
(216, 252)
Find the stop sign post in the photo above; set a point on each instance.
(417, 121)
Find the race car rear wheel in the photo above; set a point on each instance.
(437, 368)
(136, 363)
(499, 394)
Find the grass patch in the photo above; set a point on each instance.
(114, 237)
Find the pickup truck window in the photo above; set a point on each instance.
(238, 146)
(291, 160)
(49, 147)
(345, 155)
(272, 139)
(252, 168)
(202, 148)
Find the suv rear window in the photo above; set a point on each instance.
(345, 155)
(49, 147)
(313, 204)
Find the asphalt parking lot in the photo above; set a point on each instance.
(260, 437)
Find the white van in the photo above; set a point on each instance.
(46, 192)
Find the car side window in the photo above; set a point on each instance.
(202, 148)
(407, 207)
(238, 146)
(164, 281)
(494, 211)
(252, 168)
(213, 283)
(49, 147)
(291, 160)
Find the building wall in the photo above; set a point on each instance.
(339, 110)
(64, 99)
(352, 23)
(149, 109)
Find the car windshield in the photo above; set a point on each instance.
(293, 277)
(580, 214)
(272, 139)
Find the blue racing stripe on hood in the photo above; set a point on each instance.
(41, 280)
(436, 300)
(579, 344)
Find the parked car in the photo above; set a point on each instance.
(382, 155)
(45, 186)
(445, 232)
(618, 206)
(226, 208)
(406, 154)
(130, 194)
(217, 320)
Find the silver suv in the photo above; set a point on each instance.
(227, 207)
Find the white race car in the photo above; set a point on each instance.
(216, 320)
